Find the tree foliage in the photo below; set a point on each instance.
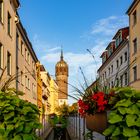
(19, 119)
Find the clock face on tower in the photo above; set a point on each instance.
(61, 72)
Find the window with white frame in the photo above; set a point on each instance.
(1, 56)
(121, 60)
(1, 11)
(21, 77)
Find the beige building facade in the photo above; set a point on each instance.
(134, 27)
(8, 23)
(16, 52)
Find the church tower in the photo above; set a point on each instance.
(61, 73)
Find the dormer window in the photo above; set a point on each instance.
(104, 58)
(118, 40)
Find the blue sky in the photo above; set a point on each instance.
(76, 25)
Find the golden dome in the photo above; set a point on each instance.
(61, 66)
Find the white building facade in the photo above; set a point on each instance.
(114, 70)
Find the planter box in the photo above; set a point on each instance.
(97, 122)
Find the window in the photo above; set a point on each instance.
(118, 40)
(28, 58)
(121, 60)
(111, 68)
(1, 10)
(117, 63)
(8, 63)
(1, 56)
(9, 24)
(28, 83)
(105, 74)
(17, 40)
(21, 77)
(108, 71)
(126, 78)
(21, 47)
(112, 85)
(125, 55)
(26, 54)
(135, 45)
(135, 73)
(17, 74)
(134, 17)
(121, 80)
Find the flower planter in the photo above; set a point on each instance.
(97, 122)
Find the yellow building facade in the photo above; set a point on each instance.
(39, 86)
(134, 37)
(54, 90)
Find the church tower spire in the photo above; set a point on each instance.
(61, 72)
(61, 54)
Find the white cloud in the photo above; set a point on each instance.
(108, 26)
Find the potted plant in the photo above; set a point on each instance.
(124, 117)
(93, 106)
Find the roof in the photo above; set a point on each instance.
(135, 2)
(113, 42)
(120, 30)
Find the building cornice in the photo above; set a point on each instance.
(132, 6)
(27, 41)
(16, 3)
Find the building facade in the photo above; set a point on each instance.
(45, 76)
(8, 23)
(114, 70)
(17, 56)
(54, 93)
(61, 72)
(134, 27)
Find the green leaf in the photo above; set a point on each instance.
(28, 127)
(138, 104)
(133, 110)
(109, 130)
(116, 132)
(134, 138)
(2, 128)
(137, 94)
(27, 137)
(27, 110)
(115, 119)
(137, 123)
(130, 132)
(122, 110)
(9, 128)
(124, 103)
(17, 137)
(131, 120)
(9, 115)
